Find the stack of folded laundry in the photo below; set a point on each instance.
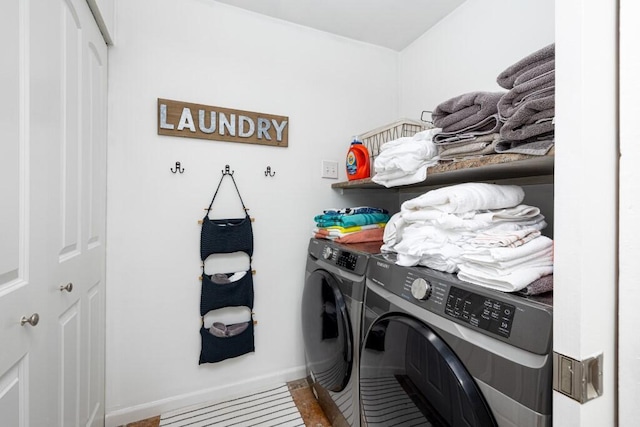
(528, 109)
(351, 225)
(405, 160)
(470, 125)
(480, 231)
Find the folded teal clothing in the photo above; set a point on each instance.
(350, 220)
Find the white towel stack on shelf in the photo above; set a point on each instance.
(482, 231)
(405, 160)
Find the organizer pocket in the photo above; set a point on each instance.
(217, 295)
(226, 236)
(218, 348)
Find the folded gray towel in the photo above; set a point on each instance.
(491, 124)
(540, 286)
(536, 71)
(473, 147)
(507, 78)
(531, 118)
(465, 110)
(536, 146)
(535, 88)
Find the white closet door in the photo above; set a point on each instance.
(585, 201)
(55, 129)
(19, 286)
(629, 291)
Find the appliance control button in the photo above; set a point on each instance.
(327, 253)
(420, 289)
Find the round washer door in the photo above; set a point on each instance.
(326, 329)
(410, 376)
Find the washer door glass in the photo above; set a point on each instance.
(409, 376)
(327, 331)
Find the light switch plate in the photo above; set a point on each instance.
(329, 169)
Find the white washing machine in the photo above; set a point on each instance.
(331, 320)
(442, 352)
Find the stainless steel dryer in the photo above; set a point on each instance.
(442, 352)
(331, 319)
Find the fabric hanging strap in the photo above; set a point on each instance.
(217, 189)
(226, 235)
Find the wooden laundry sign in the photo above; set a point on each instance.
(184, 119)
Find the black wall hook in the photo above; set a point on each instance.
(268, 172)
(177, 168)
(226, 171)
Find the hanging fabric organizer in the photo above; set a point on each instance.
(222, 341)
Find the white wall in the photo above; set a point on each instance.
(467, 50)
(205, 52)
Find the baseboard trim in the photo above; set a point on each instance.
(143, 411)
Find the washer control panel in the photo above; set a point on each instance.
(520, 321)
(347, 260)
(482, 312)
(341, 258)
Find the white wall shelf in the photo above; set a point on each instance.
(517, 168)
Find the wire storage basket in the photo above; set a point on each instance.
(374, 139)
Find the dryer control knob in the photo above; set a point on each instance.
(420, 289)
(327, 253)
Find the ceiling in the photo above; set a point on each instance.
(394, 24)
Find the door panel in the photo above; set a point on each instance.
(12, 389)
(95, 140)
(94, 143)
(11, 227)
(70, 147)
(69, 332)
(95, 351)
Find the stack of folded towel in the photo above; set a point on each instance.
(405, 160)
(351, 225)
(470, 125)
(528, 109)
(480, 231)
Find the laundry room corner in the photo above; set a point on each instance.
(212, 54)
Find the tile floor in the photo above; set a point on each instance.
(301, 393)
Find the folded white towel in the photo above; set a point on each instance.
(535, 246)
(498, 273)
(427, 135)
(429, 246)
(425, 149)
(544, 257)
(479, 220)
(468, 197)
(392, 232)
(504, 238)
(422, 215)
(405, 160)
(444, 258)
(513, 282)
(407, 179)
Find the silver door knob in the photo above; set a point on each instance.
(68, 287)
(32, 320)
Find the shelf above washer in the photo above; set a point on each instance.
(494, 167)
